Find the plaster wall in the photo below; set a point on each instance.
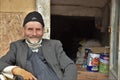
(12, 13)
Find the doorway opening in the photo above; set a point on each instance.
(70, 30)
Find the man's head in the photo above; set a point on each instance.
(33, 27)
(33, 16)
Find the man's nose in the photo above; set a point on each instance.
(34, 32)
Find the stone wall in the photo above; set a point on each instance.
(10, 29)
(12, 13)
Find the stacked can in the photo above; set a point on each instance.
(87, 51)
(104, 63)
(93, 62)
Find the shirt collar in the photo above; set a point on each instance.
(34, 48)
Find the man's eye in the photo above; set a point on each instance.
(38, 29)
(30, 29)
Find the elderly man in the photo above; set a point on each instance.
(35, 58)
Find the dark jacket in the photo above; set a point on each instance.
(53, 53)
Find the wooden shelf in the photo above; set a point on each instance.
(83, 74)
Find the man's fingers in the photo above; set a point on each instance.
(25, 74)
(34, 78)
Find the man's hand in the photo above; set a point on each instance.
(25, 74)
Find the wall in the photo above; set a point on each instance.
(78, 7)
(43, 6)
(17, 5)
(115, 40)
(12, 13)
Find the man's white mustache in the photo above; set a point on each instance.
(33, 36)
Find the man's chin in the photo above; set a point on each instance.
(34, 41)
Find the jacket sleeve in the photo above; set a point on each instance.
(67, 65)
(9, 58)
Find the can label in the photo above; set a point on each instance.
(104, 63)
(93, 62)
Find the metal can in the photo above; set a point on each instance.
(93, 62)
(87, 51)
(104, 63)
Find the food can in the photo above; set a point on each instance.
(93, 62)
(104, 63)
(87, 51)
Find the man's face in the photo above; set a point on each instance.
(33, 31)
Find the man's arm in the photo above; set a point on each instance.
(17, 71)
(68, 66)
(12, 71)
(8, 60)
(7, 72)
(2, 77)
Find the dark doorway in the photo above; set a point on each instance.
(70, 30)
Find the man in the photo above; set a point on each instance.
(35, 58)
